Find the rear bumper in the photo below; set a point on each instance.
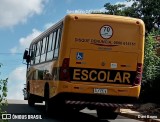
(92, 101)
(97, 98)
(86, 91)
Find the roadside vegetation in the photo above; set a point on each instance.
(151, 71)
(3, 96)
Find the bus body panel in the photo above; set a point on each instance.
(103, 59)
(39, 75)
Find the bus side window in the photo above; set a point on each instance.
(34, 51)
(38, 52)
(43, 54)
(50, 46)
(57, 43)
(30, 53)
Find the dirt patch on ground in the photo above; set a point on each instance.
(149, 108)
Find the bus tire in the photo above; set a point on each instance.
(106, 113)
(47, 100)
(31, 101)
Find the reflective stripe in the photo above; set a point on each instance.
(99, 104)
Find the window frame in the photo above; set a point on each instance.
(58, 40)
(55, 44)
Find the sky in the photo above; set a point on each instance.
(23, 20)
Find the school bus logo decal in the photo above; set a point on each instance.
(102, 75)
(106, 32)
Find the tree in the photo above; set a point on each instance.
(152, 61)
(114, 9)
(3, 95)
(151, 70)
(147, 10)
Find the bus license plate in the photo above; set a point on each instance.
(100, 91)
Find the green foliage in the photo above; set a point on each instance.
(151, 60)
(114, 9)
(3, 95)
(151, 70)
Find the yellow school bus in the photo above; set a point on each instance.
(87, 60)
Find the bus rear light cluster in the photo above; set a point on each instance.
(138, 78)
(64, 71)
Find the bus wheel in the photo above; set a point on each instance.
(30, 96)
(106, 113)
(47, 101)
(31, 101)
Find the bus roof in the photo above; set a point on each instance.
(103, 16)
(49, 30)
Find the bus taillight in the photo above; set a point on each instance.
(64, 71)
(138, 78)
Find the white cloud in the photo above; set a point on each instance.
(16, 81)
(24, 42)
(18, 74)
(13, 12)
(128, 4)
